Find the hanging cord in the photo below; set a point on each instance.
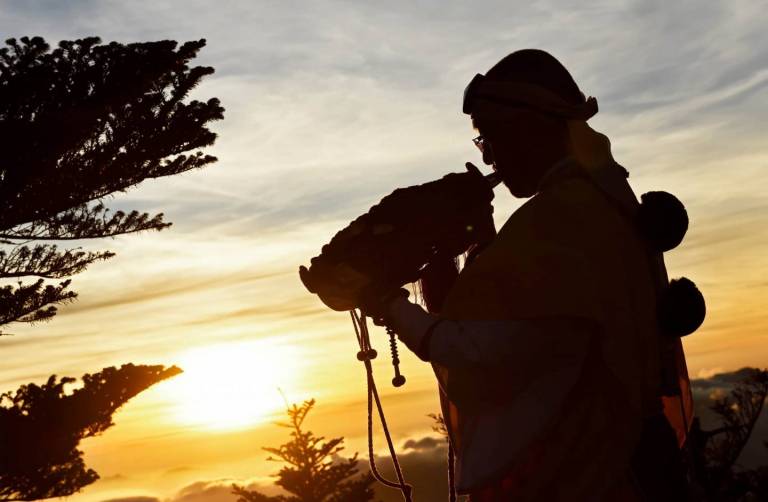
(451, 473)
(365, 355)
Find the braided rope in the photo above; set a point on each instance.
(363, 338)
(451, 473)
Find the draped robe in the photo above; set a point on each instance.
(563, 419)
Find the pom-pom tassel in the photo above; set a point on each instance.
(662, 220)
(681, 308)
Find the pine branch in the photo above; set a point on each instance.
(80, 122)
(87, 222)
(31, 303)
(739, 413)
(91, 120)
(439, 424)
(42, 425)
(47, 261)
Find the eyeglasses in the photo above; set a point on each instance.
(479, 143)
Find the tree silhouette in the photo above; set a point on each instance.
(79, 123)
(715, 451)
(42, 425)
(313, 473)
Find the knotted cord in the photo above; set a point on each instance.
(451, 473)
(366, 354)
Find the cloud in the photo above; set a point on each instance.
(205, 491)
(219, 490)
(723, 379)
(181, 469)
(134, 499)
(424, 462)
(113, 478)
(160, 288)
(425, 443)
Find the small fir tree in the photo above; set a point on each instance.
(314, 471)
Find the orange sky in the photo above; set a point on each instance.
(328, 108)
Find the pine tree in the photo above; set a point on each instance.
(314, 471)
(42, 425)
(79, 123)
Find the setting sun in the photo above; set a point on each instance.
(233, 385)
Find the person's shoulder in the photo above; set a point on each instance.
(572, 215)
(574, 190)
(572, 200)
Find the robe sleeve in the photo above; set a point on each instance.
(485, 357)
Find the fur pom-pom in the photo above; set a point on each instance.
(681, 308)
(662, 220)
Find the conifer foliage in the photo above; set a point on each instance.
(78, 123)
(42, 425)
(314, 471)
(715, 452)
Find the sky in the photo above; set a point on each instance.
(331, 105)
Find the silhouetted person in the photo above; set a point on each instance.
(546, 347)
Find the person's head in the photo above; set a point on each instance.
(530, 134)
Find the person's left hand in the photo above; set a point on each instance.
(375, 304)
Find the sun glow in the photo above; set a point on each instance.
(233, 385)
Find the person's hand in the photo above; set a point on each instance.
(375, 303)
